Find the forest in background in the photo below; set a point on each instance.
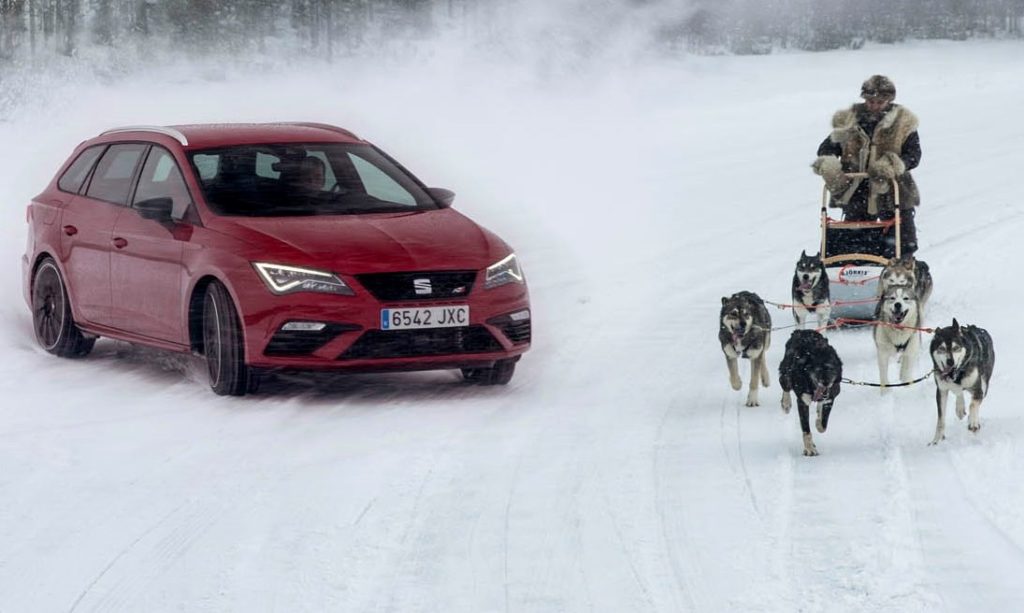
(31, 31)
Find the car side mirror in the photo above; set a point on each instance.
(444, 197)
(157, 209)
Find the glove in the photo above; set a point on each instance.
(829, 168)
(886, 168)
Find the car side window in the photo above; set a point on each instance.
(112, 179)
(378, 184)
(265, 164)
(73, 178)
(161, 178)
(329, 179)
(208, 166)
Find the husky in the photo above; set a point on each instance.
(895, 334)
(963, 357)
(811, 368)
(810, 291)
(908, 272)
(745, 331)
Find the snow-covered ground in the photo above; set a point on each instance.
(618, 471)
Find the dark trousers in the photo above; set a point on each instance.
(908, 229)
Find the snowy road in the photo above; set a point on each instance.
(618, 471)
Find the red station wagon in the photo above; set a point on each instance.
(266, 247)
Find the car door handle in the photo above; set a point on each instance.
(120, 243)
(70, 230)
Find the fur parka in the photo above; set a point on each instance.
(877, 155)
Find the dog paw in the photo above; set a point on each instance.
(811, 451)
(936, 441)
(974, 427)
(752, 401)
(817, 424)
(736, 383)
(961, 413)
(787, 403)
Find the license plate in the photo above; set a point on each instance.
(424, 317)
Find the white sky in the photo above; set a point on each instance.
(618, 471)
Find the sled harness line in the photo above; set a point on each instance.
(834, 303)
(904, 384)
(784, 327)
(844, 320)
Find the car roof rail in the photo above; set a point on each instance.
(175, 134)
(322, 126)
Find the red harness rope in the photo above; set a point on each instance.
(841, 321)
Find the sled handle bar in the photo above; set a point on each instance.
(860, 175)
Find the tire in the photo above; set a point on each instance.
(52, 321)
(499, 374)
(222, 343)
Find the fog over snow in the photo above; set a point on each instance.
(618, 471)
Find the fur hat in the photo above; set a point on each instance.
(878, 87)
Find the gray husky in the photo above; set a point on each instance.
(895, 334)
(908, 272)
(812, 369)
(810, 291)
(963, 357)
(745, 331)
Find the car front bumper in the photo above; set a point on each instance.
(351, 337)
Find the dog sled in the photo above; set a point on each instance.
(854, 254)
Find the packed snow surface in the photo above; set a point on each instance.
(618, 471)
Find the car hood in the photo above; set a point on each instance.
(425, 240)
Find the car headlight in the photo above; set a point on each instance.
(502, 272)
(289, 279)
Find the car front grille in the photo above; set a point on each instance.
(443, 285)
(379, 344)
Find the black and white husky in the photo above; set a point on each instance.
(810, 290)
(908, 272)
(745, 331)
(963, 357)
(896, 334)
(812, 369)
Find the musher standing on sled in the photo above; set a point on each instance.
(879, 138)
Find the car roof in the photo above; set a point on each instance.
(212, 135)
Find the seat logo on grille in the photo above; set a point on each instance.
(422, 287)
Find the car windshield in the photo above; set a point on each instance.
(282, 180)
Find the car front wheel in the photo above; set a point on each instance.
(222, 343)
(499, 374)
(55, 328)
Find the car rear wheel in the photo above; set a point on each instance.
(222, 343)
(499, 374)
(55, 328)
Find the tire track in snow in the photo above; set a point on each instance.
(674, 531)
(628, 554)
(972, 562)
(147, 557)
(847, 551)
(739, 465)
